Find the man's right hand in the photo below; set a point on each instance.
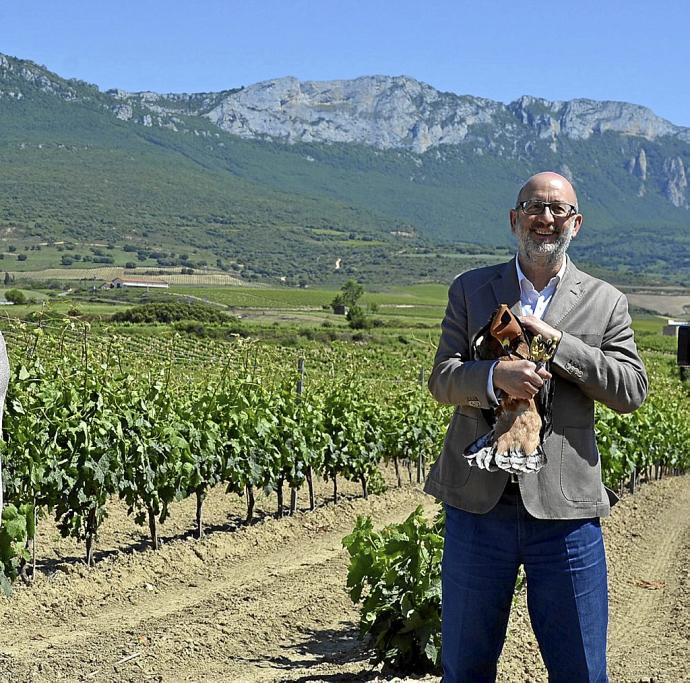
(519, 378)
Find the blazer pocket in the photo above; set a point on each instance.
(454, 470)
(462, 431)
(580, 466)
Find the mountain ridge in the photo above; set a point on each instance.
(577, 118)
(372, 157)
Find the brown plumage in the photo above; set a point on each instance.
(514, 443)
(517, 427)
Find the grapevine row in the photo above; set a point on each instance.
(81, 428)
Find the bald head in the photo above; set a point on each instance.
(548, 185)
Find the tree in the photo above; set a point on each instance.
(351, 292)
(8, 278)
(348, 296)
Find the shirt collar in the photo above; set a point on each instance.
(553, 282)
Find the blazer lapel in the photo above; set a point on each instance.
(567, 295)
(506, 288)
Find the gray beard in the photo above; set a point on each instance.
(542, 253)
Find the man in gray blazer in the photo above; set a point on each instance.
(548, 520)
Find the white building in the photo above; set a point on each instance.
(119, 282)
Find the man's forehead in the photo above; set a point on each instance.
(548, 183)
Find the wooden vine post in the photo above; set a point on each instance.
(310, 471)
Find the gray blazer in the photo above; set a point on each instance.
(596, 360)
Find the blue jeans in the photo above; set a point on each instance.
(567, 593)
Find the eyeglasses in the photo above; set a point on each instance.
(534, 207)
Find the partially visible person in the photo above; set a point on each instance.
(4, 380)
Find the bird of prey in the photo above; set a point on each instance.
(518, 426)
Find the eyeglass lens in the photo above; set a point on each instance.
(534, 207)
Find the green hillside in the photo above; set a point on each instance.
(72, 171)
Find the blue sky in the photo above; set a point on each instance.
(632, 51)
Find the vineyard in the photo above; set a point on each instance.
(92, 418)
(99, 422)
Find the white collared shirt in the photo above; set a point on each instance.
(533, 303)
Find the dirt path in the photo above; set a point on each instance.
(267, 603)
(648, 551)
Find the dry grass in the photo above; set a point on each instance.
(664, 304)
(107, 273)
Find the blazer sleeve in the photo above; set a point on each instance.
(613, 373)
(456, 379)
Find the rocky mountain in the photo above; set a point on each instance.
(430, 155)
(392, 112)
(400, 112)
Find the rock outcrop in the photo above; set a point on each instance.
(677, 183)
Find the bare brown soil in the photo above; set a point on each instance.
(267, 602)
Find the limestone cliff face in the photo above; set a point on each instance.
(677, 183)
(637, 166)
(380, 111)
(399, 111)
(580, 119)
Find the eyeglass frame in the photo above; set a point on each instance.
(520, 207)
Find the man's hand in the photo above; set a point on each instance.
(537, 326)
(519, 378)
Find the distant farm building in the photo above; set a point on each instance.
(119, 282)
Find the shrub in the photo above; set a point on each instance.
(396, 575)
(357, 318)
(15, 296)
(170, 312)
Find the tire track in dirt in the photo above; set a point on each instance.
(650, 628)
(268, 603)
(251, 575)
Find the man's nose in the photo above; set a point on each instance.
(546, 216)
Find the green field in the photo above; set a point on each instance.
(413, 295)
(286, 315)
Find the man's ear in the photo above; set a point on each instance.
(512, 217)
(577, 224)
